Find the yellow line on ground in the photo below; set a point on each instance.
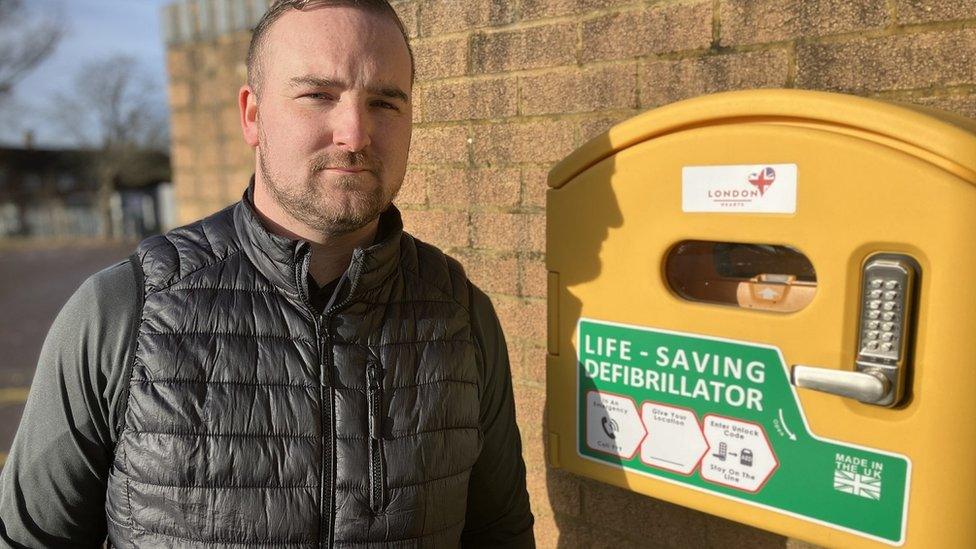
(14, 395)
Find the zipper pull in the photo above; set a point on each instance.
(374, 400)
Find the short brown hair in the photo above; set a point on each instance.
(380, 7)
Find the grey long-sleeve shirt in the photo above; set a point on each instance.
(52, 489)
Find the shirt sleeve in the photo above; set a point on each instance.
(52, 488)
(498, 513)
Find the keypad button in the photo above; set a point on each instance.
(875, 294)
(874, 314)
(888, 326)
(888, 316)
(872, 335)
(874, 304)
(887, 336)
(890, 306)
(892, 285)
(876, 283)
(874, 324)
(891, 296)
(871, 345)
(887, 347)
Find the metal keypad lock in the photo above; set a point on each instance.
(887, 297)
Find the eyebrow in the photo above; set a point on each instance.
(391, 92)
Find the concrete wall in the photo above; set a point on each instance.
(507, 88)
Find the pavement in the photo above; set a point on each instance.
(36, 278)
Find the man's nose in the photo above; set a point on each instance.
(352, 128)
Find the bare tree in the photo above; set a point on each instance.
(118, 111)
(27, 37)
(113, 105)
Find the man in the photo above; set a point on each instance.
(295, 369)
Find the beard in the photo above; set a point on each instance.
(338, 205)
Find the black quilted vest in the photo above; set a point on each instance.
(252, 421)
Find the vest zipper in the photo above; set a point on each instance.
(374, 405)
(326, 396)
(323, 323)
(328, 518)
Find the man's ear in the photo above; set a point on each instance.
(247, 103)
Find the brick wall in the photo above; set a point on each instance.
(507, 88)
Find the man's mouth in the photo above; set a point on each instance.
(347, 169)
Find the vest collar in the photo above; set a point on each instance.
(284, 261)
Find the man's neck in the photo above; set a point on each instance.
(331, 254)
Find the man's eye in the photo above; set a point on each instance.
(386, 105)
(318, 96)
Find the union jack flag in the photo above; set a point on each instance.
(859, 485)
(763, 179)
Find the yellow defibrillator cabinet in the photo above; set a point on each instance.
(762, 305)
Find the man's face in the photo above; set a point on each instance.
(333, 116)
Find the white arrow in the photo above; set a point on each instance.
(785, 428)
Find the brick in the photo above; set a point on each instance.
(407, 10)
(441, 228)
(637, 517)
(556, 531)
(661, 28)
(188, 212)
(470, 100)
(667, 81)
(762, 21)
(592, 127)
(574, 90)
(180, 95)
(717, 530)
(543, 141)
(536, 9)
(530, 401)
(593, 537)
(494, 187)
(480, 188)
(959, 104)
(181, 126)
(554, 491)
(534, 186)
(413, 192)
(207, 188)
(928, 11)
(534, 455)
(509, 231)
(923, 60)
(229, 119)
(533, 277)
(179, 63)
(494, 273)
(182, 157)
(447, 187)
(525, 48)
(441, 58)
(439, 145)
(238, 155)
(446, 16)
(522, 320)
(237, 181)
(531, 364)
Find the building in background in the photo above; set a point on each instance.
(505, 89)
(56, 193)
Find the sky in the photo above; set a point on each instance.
(95, 29)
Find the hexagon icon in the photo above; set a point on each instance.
(739, 453)
(613, 424)
(674, 439)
